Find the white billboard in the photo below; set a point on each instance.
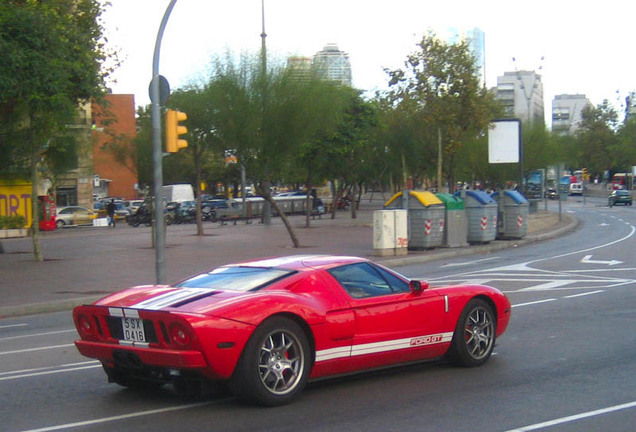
(504, 141)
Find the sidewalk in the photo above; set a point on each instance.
(84, 264)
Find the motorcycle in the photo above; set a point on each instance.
(552, 194)
(343, 202)
(142, 216)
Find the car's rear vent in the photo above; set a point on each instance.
(193, 299)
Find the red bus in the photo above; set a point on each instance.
(622, 181)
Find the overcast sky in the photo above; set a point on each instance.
(586, 46)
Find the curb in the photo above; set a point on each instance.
(566, 227)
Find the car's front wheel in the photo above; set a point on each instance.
(275, 364)
(474, 337)
(59, 223)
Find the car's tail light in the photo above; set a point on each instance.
(180, 334)
(86, 327)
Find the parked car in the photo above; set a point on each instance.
(74, 215)
(266, 327)
(121, 212)
(133, 206)
(619, 196)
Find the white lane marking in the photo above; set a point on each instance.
(120, 417)
(13, 325)
(587, 259)
(548, 285)
(27, 375)
(66, 365)
(533, 303)
(584, 294)
(36, 349)
(468, 262)
(575, 417)
(37, 334)
(631, 233)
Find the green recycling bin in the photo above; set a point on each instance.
(425, 217)
(455, 222)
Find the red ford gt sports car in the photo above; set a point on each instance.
(267, 327)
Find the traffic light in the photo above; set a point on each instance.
(174, 129)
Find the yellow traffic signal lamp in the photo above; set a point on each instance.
(174, 129)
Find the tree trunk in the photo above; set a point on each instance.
(354, 200)
(35, 219)
(197, 188)
(283, 217)
(439, 160)
(334, 199)
(308, 206)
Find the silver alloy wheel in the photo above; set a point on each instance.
(281, 362)
(480, 333)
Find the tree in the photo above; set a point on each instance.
(346, 150)
(440, 83)
(52, 58)
(202, 134)
(597, 138)
(624, 152)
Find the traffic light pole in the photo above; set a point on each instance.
(157, 155)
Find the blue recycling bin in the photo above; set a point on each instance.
(513, 215)
(481, 212)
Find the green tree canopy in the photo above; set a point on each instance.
(52, 59)
(440, 85)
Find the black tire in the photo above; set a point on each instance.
(134, 222)
(59, 223)
(274, 365)
(474, 337)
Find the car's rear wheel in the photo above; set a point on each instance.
(474, 337)
(274, 365)
(59, 223)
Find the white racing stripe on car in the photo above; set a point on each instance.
(333, 353)
(167, 299)
(380, 347)
(119, 312)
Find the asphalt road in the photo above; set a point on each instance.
(566, 362)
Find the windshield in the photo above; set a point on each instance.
(236, 278)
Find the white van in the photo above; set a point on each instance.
(576, 188)
(178, 193)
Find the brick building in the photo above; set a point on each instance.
(113, 133)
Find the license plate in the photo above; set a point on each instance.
(133, 329)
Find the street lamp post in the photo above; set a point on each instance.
(157, 154)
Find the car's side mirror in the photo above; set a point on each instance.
(417, 286)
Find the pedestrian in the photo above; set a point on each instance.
(110, 209)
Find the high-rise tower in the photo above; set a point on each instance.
(334, 64)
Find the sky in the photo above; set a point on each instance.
(577, 47)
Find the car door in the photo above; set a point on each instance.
(391, 322)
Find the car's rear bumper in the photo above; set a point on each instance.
(148, 356)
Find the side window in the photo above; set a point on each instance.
(362, 280)
(397, 284)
